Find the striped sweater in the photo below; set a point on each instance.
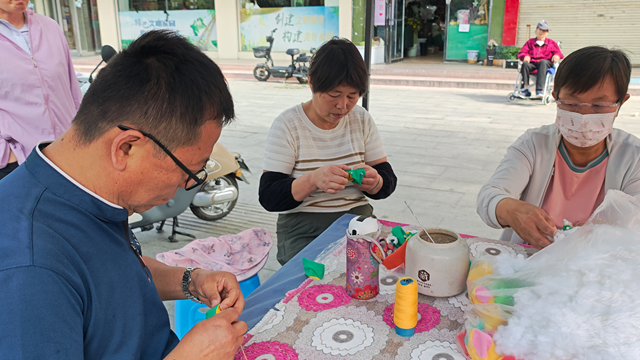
(296, 146)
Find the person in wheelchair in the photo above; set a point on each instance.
(563, 170)
(538, 53)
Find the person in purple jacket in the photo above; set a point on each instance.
(538, 53)
(40, 95)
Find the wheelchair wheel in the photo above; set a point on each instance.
(511, 97)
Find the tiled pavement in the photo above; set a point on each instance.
(443, 144)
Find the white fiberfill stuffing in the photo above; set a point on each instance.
(585, 303)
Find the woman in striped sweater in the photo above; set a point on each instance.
(310, 146)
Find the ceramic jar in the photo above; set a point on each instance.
(440, 269)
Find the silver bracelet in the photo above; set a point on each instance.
(186, 279)
(378, 183)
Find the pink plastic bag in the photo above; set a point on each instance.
(243, 254)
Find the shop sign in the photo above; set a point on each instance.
(298, 27)
(198, 26)
(378, 18)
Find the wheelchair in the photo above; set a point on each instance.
(548, 85)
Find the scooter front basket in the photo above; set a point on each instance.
(260, 51)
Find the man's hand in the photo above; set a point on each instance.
(217, 287)
(372, 181)
(217, 338)
(330, 178)
(530, 222)
(527, 59)
(555, 58)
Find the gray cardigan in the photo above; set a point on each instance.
(525, 171)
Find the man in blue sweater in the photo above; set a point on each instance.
(73, 282)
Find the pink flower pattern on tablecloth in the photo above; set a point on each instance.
(292, 293)
(322, 297)
(428, 319)
(279, 351)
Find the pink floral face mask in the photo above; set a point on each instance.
(584, 130)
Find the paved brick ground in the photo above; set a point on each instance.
(443, 144)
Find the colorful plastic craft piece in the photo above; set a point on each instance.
(313, 269)
(213, 311)
(400, 235)
(356, 175)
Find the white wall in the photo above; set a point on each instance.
(227, 23)
(108, 17)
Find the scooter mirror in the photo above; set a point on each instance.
(107, 53)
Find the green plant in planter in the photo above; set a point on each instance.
(507, 52)
(415, 23)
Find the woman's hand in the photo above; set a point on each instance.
(330, 178)
(530, 222)
(372, 181)
(217, 287)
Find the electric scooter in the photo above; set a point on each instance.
(297, 69)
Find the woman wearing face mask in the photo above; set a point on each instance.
(310, 146)
(563, 170)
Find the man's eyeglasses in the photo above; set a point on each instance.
(194, 180)
(596, 107)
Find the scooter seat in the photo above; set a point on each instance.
(261, 48)
(304, 58)
(293, 51)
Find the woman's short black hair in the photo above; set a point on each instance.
(338, 62)
(588, 67)
(160, 84)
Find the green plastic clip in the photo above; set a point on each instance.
(313, 269)
(213, 311)
(356, 175)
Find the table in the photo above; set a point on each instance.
(291, 316)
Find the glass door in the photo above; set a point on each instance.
(79, 22)
(394, 30)
(66, 20)
(88, 34)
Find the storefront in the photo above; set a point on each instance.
(610, 23)
(430, 30)
(193, 19)
(79, 21)
(226, 29)
(296, 24)
(467, 28)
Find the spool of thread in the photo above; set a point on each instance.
(405, 312)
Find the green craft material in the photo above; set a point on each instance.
(213, 311)
(401, 235)
(356, 175)
(313, 269)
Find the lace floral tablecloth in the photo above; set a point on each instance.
(318, 320)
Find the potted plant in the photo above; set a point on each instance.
(509, 56)
(414, 24)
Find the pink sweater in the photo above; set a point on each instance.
(39, 95)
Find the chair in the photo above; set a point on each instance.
(548, 85)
